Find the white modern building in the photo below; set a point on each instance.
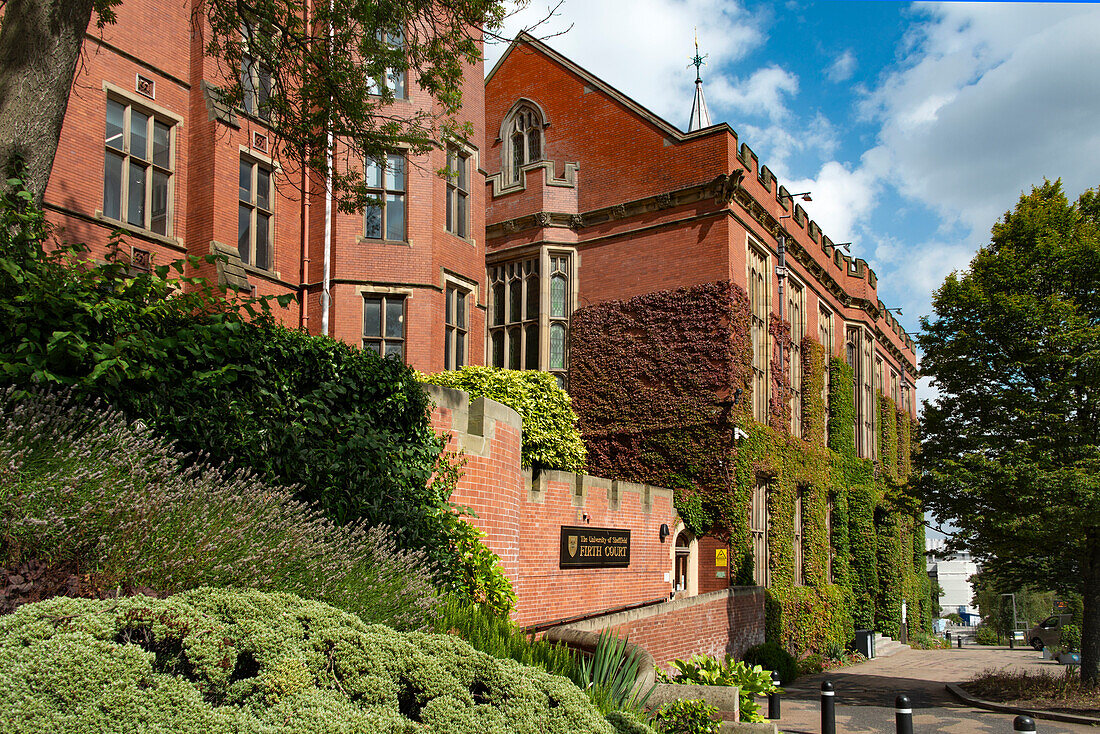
(953, 575)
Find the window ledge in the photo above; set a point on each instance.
(468, 240)
(145, 234)
(372, 241)
(263, 272)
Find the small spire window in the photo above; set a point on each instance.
(525, 139)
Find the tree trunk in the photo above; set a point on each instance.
(1090, 627)
(40, 43)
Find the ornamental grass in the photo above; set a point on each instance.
(83, 489)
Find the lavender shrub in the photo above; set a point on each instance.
(80, 484)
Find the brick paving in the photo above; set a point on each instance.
(865, 693)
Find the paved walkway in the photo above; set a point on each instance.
(865, 693)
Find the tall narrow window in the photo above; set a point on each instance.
(254, 234)
(458, 192)
(393, 77)
(758, 529)
(853, 351)
(514, 331)
(799, 568)
(384, 325)
(137, 168)
(869, 404)
(825, 336)
(255, 77)
(524, 139)
(759, 308)
(457, 328)
(796, 309)
(560, 300)
(384, 218)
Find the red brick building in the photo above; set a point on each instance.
(569, 194)
(147, 149)
(592, 197)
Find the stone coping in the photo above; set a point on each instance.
(957, 691)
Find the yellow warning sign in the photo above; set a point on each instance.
(721, 557)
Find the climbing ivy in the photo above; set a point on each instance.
(662, 381)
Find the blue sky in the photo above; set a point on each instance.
(915, 125)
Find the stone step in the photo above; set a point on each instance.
(887, 646)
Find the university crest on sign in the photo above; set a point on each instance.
(572, 542)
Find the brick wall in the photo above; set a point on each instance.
(715, 623)
(523, 515)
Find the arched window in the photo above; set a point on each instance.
(524, 138)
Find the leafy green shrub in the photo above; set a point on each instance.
(348, 429)
(551, 439)
(221, 661)
(771, 656)
(687, 716)
(82, 487)
(954, 618)
(1070, 640)
(925, 641)
(986, 635)
(813, 663)
(752, 680)
(495, 635)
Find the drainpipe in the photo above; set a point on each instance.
(326, 296)
(303, 280)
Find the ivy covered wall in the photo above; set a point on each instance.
(661, 381)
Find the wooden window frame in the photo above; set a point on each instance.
(256, 210)
(383, 340)
(456, 339)
(381, 192)
(129, 158)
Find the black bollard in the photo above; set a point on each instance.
(903, 714)
(947, 634)
(1024, 725)
(828, 708)
(960, 642)
(773, 697)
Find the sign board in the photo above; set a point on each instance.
(585, 547)
(1061, 606)
(721, 557)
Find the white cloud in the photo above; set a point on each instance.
(841, 199)
(644, 47)
(763, 93)
(842, 69)
(991, 99)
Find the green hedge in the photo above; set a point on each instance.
(221, 661)
(348, 429)
(551, 439)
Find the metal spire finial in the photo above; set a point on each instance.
(700, 115)
(698, 61)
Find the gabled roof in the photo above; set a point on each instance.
(526, 39)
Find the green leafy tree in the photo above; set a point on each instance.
(326, 69)
(1011, 448)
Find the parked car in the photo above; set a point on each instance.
(1048, 632)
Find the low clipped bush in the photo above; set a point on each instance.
(986, 635)
(109, 502)
(687, 716)
(772, 657)
(1070, 639)
(551, 439)
(214, 661)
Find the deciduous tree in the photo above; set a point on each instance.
(1011, 451)
(326, 69)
